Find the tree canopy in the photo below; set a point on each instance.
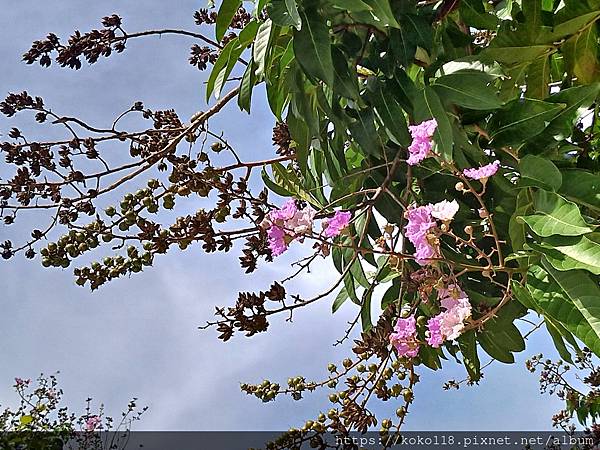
(443, 153)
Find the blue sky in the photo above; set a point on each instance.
(139, 337)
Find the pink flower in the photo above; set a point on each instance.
(434, 331)
(419, 223)
(444, 210)
(404, 337)
(334, 226)
(287, 223)
(449, 293)
(92, 423)
(420, 148)
(453, 319)
(302, 222)
(417, 231)
(483, 172)
(20, 382)
(457, 309)
(277, 242)
(284, 213)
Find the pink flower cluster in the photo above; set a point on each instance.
(449, 324)
(289, 223)
(92, 423)
(20, 382)
(421, 145)
(404, 337)
(421, 220)
(483, 172)
(334, 226)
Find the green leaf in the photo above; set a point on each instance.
(288, 180)
(246, 88)
(312, 47)
(351, 288)
(538, 78)
(414, 31)
(516, 228)
(524, 297)
(493, 348)
(339, 300)
(516, 54)
(346, 80)
(391, 296)
(500, 337)
(225, 16)
(364, 133)
(572, 19)
(474, 14)
(358, 273)
(521, 120)
(582, 187)
(403, 44)
(575, 98)
(382, 11)
(583, 292)
(581, 55)
(553, 302)
(557, 338)
(430, 357)
(468, 89)
(468, 347)
(365, 311)
(284, 13)
(427, 106)
(26, 420)
(223, 67)
(350, 5)
(539, 172)
(555, 215)
(567, 253)
(532, 10)
(261, 47)
(391, 114)
(274, 186)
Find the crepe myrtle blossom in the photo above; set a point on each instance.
(301, 222)
(287, 223)
(284, 213)
(453, 320)
(444, 210)
(449, 324)
(417, 231)
(334, 226)
(483, 172)
(404, 337)
(421, 145)
(20, 382)
(434, 331)
(277, 240)
(421, 220)
(92, 423)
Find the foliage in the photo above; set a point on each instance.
(42, 422)
(581, 402)
(395, 112)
